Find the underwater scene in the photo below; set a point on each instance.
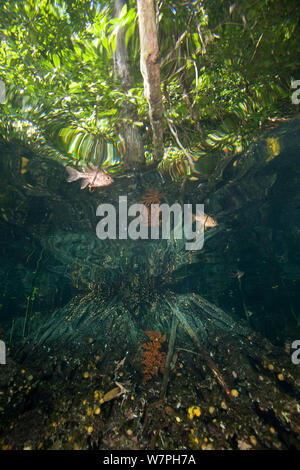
(149, 225)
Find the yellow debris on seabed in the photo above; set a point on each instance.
(194, 411)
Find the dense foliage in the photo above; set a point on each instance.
(226, 72)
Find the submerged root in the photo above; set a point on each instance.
(182, 319)
(169, 358)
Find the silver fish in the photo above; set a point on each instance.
(207, 220)
(93, 178)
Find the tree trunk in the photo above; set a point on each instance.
(130, 134)
(150, 69)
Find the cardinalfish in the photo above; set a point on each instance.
(207, 220)
(92, 178)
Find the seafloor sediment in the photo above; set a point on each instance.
(71, 398)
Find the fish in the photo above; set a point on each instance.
(207, 220)
(94, 178)
(239, 274)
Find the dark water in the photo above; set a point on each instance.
(74, 309)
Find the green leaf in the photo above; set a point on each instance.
(56, 60)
